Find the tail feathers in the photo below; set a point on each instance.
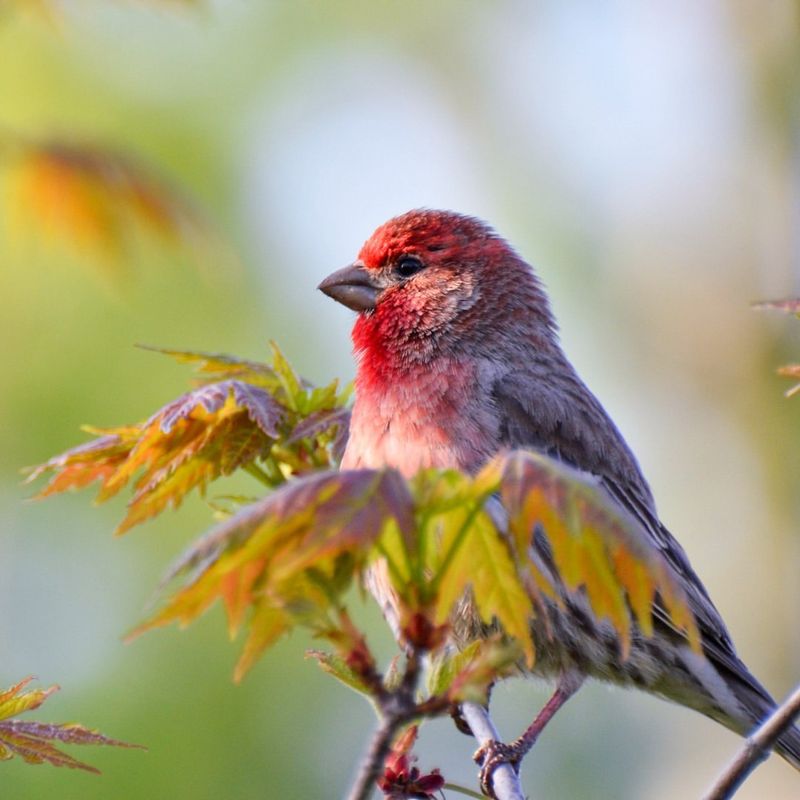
(788, 747)
(759, 705)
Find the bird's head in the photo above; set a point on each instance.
(428, 281)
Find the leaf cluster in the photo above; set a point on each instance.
(242, 415)
(449, 549)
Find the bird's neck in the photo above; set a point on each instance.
(389, 347)
(426, 416)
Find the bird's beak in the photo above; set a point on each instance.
(353, 287)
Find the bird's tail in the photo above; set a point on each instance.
(788, 747)
(758, 705)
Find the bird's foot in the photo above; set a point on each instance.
(492, 755)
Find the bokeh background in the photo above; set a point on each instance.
(644, 156)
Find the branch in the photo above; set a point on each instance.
(372, 763)
(505, 780)
(397, 708)
(756, 748)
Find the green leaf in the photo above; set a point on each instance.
(336, 666)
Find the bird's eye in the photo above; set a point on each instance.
(407, 266)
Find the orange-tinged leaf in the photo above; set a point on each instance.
(676, 606)
(186, 606)
(53, 188)
(204, 434)
(179, 463)
(98, 460)
(320, 511)
(596, 548)
(639, 586)
(267, 625)
(224, 397)
(96, 200)
(603, 588)
(207, 433)
(156, 455)
(237, 592)
(352, 518)
(536, 581)
(289, 555)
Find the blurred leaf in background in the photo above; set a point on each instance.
(95, 201)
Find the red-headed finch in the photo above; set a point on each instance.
(458, 358)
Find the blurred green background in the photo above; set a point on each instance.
(645, 156)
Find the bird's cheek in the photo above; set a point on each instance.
(468, 298)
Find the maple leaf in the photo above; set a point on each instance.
(81, 466)
(597, 548)
(33, 741)
(289, 556)
(446, 540)
(322, 422)
(316, 418)
(96, 199)
(339, 668)
(473, 542)
(483, 562)
(213, 367)
(260, 424)
(204, 434)
(467, 675)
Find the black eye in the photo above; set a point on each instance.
(407, 266)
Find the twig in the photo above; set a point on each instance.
(397, 708)
(505, 780)
(372, 763)
(756, 748)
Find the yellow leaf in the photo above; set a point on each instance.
(267, 625)
(13, 701)
(596, 548)
(483, 563)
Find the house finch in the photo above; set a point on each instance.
(458, 358)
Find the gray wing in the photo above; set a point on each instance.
(560, 417)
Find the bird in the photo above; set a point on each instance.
(458, 359)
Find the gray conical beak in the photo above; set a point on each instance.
(353, 287)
